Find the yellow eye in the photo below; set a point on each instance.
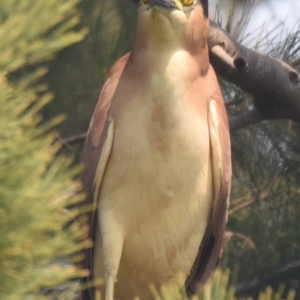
(188, 2)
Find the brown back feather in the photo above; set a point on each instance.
(211, 247)
(96, 137)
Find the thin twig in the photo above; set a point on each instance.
(248, 240)
(241, 206)
(75, 139)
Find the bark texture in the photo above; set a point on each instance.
(274, 85)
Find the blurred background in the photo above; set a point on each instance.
(263, 238)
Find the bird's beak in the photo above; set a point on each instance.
(169, 4)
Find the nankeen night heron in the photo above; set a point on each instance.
(157, 158)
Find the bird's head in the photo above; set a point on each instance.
(176, 24)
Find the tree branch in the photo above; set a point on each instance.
(274, 85)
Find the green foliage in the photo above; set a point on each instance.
(33, 31)
(77, 74)
(37, 238)
(217, 288)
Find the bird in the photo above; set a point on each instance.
(157, 159)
